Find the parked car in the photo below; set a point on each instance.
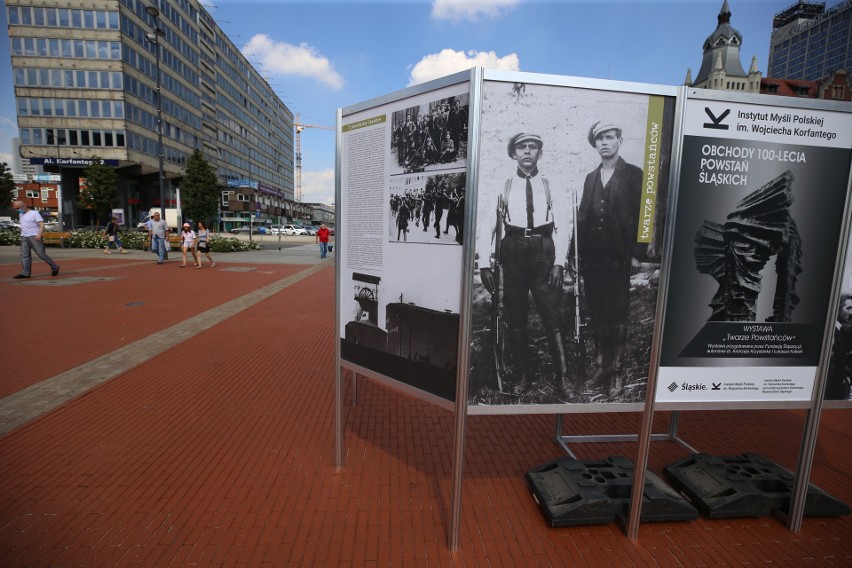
(275, 229)
(9, 226)
(331, 231)
(294, 230)
(244, 230)
(312, 231)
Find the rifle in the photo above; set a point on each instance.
(579, 343)
(498, 319)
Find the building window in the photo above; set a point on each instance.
(45, 193)
(837, 92)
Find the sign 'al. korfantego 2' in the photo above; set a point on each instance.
(760, 207)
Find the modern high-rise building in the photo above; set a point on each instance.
(86, 86)
(810, 42)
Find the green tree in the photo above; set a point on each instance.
(7, 185)
(199, 190)
(98, 193)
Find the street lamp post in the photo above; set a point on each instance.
(155, 39)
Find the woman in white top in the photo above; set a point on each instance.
(187, 244)
(204, 235)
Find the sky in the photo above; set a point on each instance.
(322, 55)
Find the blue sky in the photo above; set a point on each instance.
(320, 55)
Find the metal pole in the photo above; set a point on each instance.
(160, 131)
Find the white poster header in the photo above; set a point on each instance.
(761, 123)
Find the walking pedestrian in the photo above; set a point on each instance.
(113, 235)
(32, 227)
(204, 235)
(159, 231)
(187, 244)
(322, 239)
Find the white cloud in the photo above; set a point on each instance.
(288, 59)
(457, 10)
(6, 158)
(318, 186)
(449, 61)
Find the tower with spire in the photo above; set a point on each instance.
(721, 68)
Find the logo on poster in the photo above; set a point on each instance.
(716, 121)
(672, 387)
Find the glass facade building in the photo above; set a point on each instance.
(86, 87)
(810, 42)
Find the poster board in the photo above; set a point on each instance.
(528, 314)
(762, 189)
(837, 392)
(402, 163)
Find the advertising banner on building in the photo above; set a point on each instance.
(400, 225)
(761, 196)
(571, 192)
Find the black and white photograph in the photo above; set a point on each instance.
(431, 136)
(838, 384)
(427, 209)
(564, 288)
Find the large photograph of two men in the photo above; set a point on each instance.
(567, 243)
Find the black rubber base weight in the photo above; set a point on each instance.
(747, 485)
(570, 492)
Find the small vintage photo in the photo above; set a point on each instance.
(427, 209)
(431, 136)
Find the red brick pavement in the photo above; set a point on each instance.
(220, 451)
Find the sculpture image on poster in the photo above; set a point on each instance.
(839, 379)
(571, 201)
(734, 254)
(760, 201)
(399, 294)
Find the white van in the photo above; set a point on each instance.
(172, 218)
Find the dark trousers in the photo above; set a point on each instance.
(527, 263)
(607, 290)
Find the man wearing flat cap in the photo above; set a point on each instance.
(529, 247)
(607, 226)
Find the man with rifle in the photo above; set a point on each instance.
(607, 222)
(526, 243)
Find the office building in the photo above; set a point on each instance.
(22, 166)
(86, 86)
(810, 42)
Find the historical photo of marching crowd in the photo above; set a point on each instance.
(431, 136)
(427, 208)
(564, 293)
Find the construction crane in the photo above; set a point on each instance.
(299, 127)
